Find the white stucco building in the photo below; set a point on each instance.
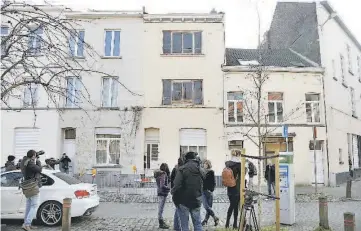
(292, 94)
(317, 32)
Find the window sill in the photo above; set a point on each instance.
(77, 57)
(111, 57)
(108, 166)
(71, 108)
(182, 55)
(183, 106)
(334, 78)
(344, 84)
(109, 108)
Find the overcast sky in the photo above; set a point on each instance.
(241, 19)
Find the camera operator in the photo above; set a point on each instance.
(50, 163)
(64, 166)
(31, 169)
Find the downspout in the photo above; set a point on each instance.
(326, 127)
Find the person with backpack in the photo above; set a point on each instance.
(187, 192)
(231, 179)
(252, 171)
(176, 223)
(270, 176)
(162, 179)
(208, 188)
(10, 164)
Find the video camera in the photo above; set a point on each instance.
(39, 153)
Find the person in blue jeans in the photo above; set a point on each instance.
(208, 188)
(162, 179)
(31, 169)
(187, 192)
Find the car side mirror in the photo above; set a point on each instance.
(44, 180)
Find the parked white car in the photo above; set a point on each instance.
(56, 187)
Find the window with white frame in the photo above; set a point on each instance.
(73, 91)
(353, 102)
(193, 140)
(349, 59)
(342, 63)
(359, 68)
(76, 43)
(182, 92)
(235, 144)
(112, 43)
(110, 92)
(35, 40)
(4, 33)
(313, 107)
(334, 75)
(30, 95)
(235, 106)
(275, 107)
(107, 146)
(182, 42)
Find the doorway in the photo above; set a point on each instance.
(69, 147)
(319, 161)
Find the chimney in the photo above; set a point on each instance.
(143, 9)
(213, 11)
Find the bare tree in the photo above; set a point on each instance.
(40, 48)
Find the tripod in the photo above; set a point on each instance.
(248, 216)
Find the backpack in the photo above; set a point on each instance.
(228, 178)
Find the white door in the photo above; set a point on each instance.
(69, 148)
(11, 195)
(151, 155)
(193, 140)
(319, 164)
(355, 152)
(26, 139)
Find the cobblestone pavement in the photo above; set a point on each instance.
(139, 217)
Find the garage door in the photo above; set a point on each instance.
(355, 152)
(194, 140)
(26, 139)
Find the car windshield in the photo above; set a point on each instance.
(68, 179)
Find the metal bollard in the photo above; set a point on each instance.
(348, 189)
(323, 212)
(66, 220)
(349, 221)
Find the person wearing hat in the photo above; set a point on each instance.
(10, 164)
(187, 192)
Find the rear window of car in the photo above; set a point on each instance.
(68, 179)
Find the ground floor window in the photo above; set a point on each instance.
(151, 155)
(107, 146)
(193, 140)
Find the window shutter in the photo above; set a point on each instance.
(166, 42)
(167, 92)
(198, 92)
(198, 42)
(80, 50)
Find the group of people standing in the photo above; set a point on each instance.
(191, 184)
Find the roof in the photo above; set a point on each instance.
(270, 57)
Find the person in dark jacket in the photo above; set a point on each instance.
(187, 192)
(208, 188)
(270, 175)
(176, 223)
(31, 169)
(10, 164)
(162, 179)
(19, 164)
(174, 171)
(234, 192)
(64, 166)
(252, 171)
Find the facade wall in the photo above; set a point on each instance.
(294, 87)
(334, 41)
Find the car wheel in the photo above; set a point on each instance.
(50, 213)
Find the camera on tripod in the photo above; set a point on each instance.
(249, 199)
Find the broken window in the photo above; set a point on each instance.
(182, 92)
(189, 42)
(275, 107)
(235, 106)
(313, 108)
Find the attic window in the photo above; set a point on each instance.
(248, 62)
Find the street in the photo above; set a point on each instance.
(143, 216)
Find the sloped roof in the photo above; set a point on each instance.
(270, 57)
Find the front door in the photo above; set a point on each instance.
(319, 162)
(69, 147)
(11, 194)
(150, 157)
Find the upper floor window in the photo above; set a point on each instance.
(334, 75)
(359, 68)
(353, 102)
(313, 107)
(275, 107)
(182, 92)
(182, 42)
(110, 92)
(235, 106)
(30, 95)
(76, 43)
(112, 43)
(349, 59)
(72, 91)
(4, 33)
(35, 40)
(342, 62)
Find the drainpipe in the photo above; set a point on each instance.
(326, 127)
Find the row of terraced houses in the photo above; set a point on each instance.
(187, 92)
